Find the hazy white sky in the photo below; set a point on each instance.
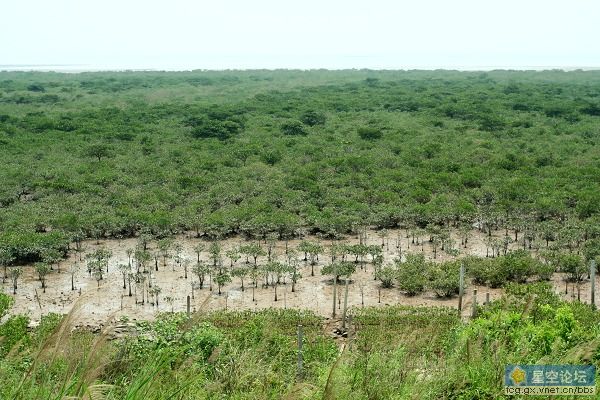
(186, 34)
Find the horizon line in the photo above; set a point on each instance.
(82, 68)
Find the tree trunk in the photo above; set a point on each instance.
(334, 294)
(345, 305)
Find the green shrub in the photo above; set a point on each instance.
(25, 246)
(312, 118)
(572, 265)
(519, 265)
(478, 269)
(386, 274)
(444, 278)
(293, 128)
(368, 133)
(12, 332)
(498, 273)
(212, 128)
(6, 303)
(411, 276)
(48, 324)
(516, 266)
(566, 325)
(544, 271)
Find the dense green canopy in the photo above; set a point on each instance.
(258, 151)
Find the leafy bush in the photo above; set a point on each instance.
(313, 118)
(478, 268)
(293, 128)
(213, 128)
(6, 302)
(444, 278)
(48, 324)
(591, 251)
(386, 274)
(544, 271)
(411, 274)
(572, 265)
(519, 265)
(344, 269)
(498, 274)
(367, 133)
(516, 266)
(98, 150)
(13, 331)
(24, 246)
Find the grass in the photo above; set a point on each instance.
(396, 352)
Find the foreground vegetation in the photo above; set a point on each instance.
(389, 353)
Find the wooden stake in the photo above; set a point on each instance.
(37, 297)
(474, 311)
(593, 283)
(188, 306)
(461, 287)
(349, 331)
(345, 305)
(334, 294)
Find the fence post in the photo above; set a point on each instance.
(188, 306)
(350, 331)
(345, 304)
(474, 311)
(461, 287)
(593, 283)
(334, 294)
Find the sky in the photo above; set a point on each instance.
(334, 34)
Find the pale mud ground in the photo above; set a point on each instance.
(96, 307)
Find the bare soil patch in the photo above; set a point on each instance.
(98, 306)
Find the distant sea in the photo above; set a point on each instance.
(78, 68)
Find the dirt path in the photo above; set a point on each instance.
(110, 302)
